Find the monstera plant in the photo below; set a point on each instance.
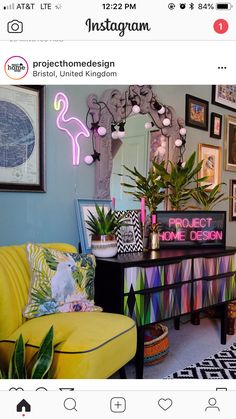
(39, 366)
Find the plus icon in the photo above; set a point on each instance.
(118, 404)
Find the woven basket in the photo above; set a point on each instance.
(232, 310)
(156, 344)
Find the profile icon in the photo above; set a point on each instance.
(212, 405)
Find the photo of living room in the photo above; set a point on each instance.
(118, 244)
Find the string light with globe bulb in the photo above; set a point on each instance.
(131, 104)
(180, 143)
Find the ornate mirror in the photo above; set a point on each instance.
(114, 113)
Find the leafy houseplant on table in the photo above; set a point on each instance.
(207, 200)
(103, 227)
(150, 187)
(37, 368)
(180, 180)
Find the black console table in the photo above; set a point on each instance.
(159, 285)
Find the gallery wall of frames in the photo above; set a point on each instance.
(35, 212)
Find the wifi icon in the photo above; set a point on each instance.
(10, 6)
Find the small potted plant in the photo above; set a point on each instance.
(103, 227)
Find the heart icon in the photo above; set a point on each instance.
(16, 389)
(165, 404)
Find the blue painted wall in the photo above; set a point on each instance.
(50, 216)
(42, 217)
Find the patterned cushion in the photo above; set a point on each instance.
(60, 282)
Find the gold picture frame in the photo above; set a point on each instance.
(232, 200)
(230, 143)
(211, 156)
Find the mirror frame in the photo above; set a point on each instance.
(116, 106)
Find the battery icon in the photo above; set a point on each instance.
(224, 6)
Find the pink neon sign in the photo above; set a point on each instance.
(200, 235)
(72, 126)
(191, 229)
(193, 223)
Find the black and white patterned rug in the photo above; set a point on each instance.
(219, 366)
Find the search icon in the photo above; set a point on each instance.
(70, 404)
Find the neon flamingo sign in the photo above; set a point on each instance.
(74, 127)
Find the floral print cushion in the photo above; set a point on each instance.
(60, 282)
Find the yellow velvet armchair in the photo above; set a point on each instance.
(89, 344)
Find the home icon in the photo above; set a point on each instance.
(23, 406)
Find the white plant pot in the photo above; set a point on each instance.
(104, 246)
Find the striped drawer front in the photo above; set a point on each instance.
(152, 307)
(207, 293)
(137, 278)
(205, 267)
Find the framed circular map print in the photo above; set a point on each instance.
(22, 139)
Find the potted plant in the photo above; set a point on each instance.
(208, 199)
(40, 365)
(150, 187)
(103, 227)
(179, 181)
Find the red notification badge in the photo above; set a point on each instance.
(221, 26)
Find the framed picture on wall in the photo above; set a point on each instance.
(211, 156)
(232, 201)
(82, 207)
(129, 236)
(22, 138)
(158, 147)
(230, 143)
(196, 112)
(224, 95)
(216, 125)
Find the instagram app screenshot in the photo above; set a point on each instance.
(117, 209)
